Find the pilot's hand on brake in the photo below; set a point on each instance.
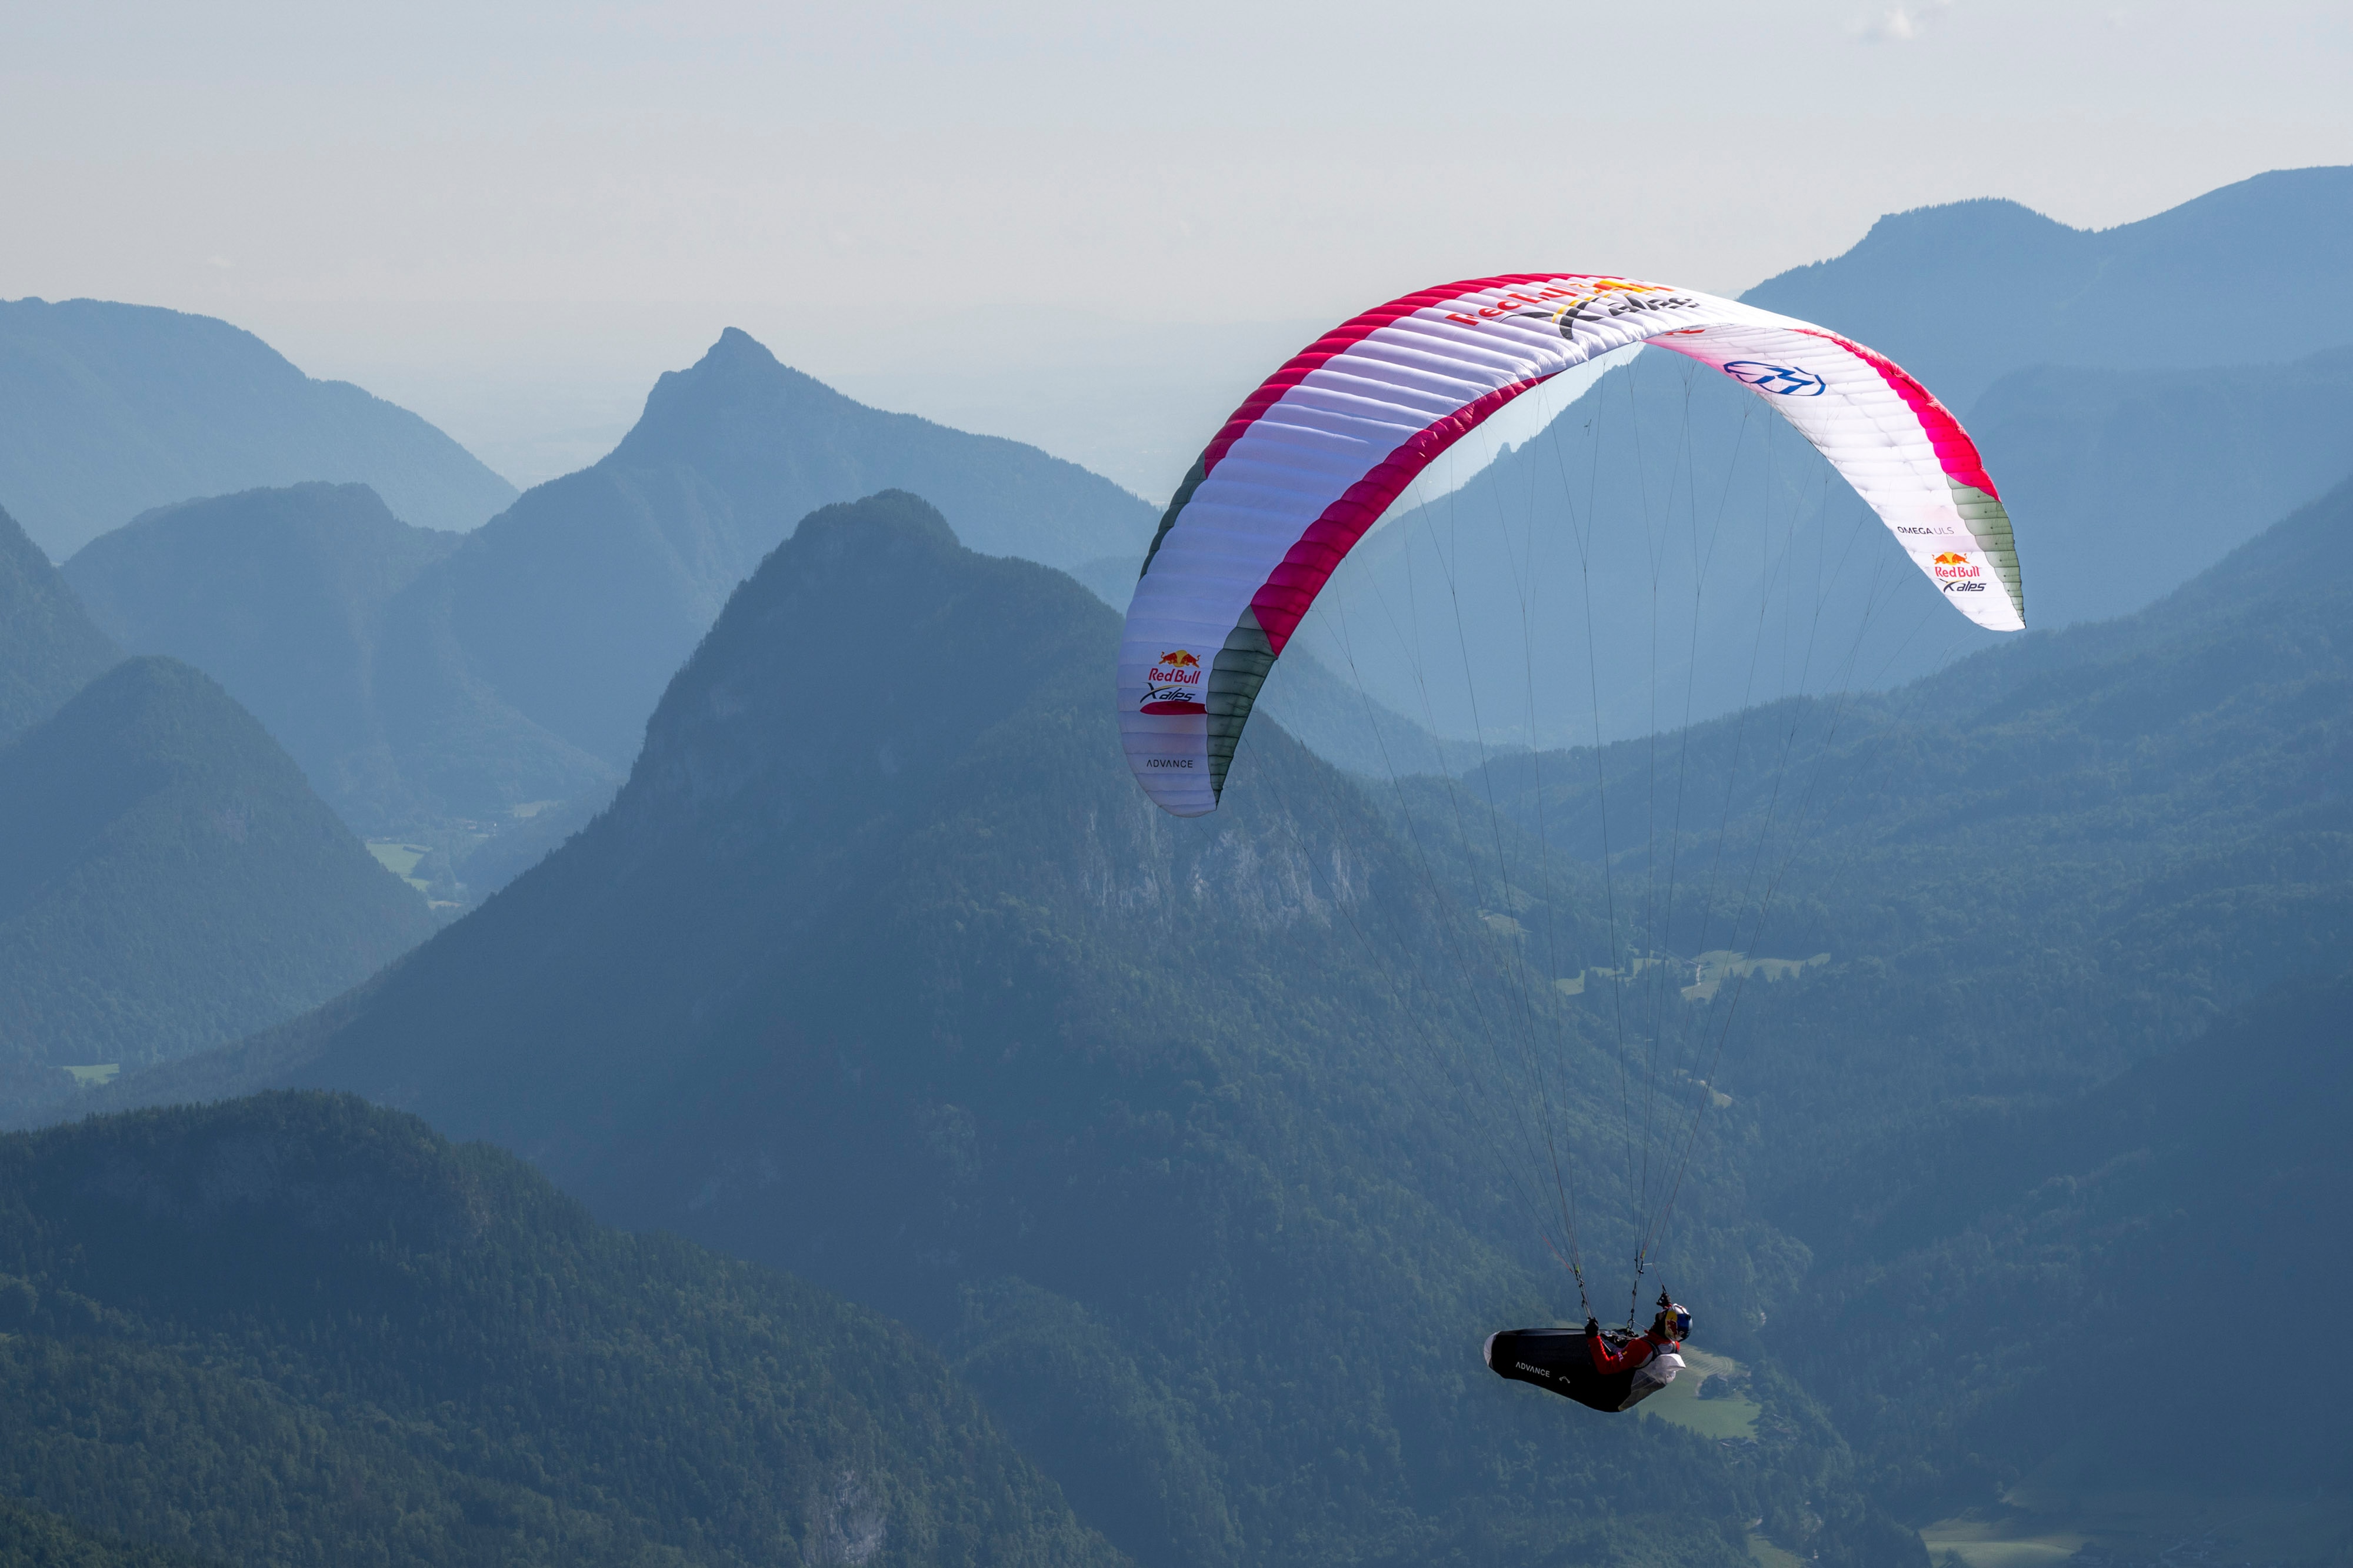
(1592, 1326)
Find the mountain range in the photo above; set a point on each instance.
(1623, 570)
(1983, 997)
(435, 686)
(280, 595)
(2018, 288)
(912, 997)
(107, 410)
(168, 880)
(879, 970)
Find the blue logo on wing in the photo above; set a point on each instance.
(1781, 380)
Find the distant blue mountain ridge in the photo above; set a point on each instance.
(167, 879)
(1667, 549)
(452, 686)
(1965, 293)
(515, 668)
(107, 410)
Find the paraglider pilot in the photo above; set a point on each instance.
(1604, 1368)
(1666, 1333)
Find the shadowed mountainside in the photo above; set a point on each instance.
(298, 1331)
(2041, 1188)
(167, 880)
(279, 597)
(2130, 826)
(50, 647)
(1966, 1273)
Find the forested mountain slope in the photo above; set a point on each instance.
(49, 647)
(33, 1537)
(2114, 1292)
(298, 1330)
(278, 596)
(2051, 862)
(2052, 1206)
(107, 410)
(881, 969)
(167, 880)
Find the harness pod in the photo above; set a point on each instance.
(1559, 1359)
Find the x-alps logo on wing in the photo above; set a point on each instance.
(1954, 573)
(1781, 380)
(1173, 684)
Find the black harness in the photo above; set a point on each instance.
(1559, 1359)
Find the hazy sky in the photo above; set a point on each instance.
(512, 216)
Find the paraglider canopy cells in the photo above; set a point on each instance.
(1316, 455)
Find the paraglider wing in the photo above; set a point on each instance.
(1316, 456)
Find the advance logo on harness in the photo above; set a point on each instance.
(1173, 685)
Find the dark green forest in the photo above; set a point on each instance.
(168, 880)
(299, 1329)
(2080, 1288)
(33, 1537)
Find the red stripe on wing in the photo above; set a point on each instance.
(1283, 601)
(1955, 451)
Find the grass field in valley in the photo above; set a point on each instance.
(399, 859)
(2039, 1527)
(1730, 1420)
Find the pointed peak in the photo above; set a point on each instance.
(736, 346)
(736, 387)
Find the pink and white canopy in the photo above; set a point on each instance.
(1310, 461)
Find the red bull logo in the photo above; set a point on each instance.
(1950, 564)
(1604, 296)
(1173, 684)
